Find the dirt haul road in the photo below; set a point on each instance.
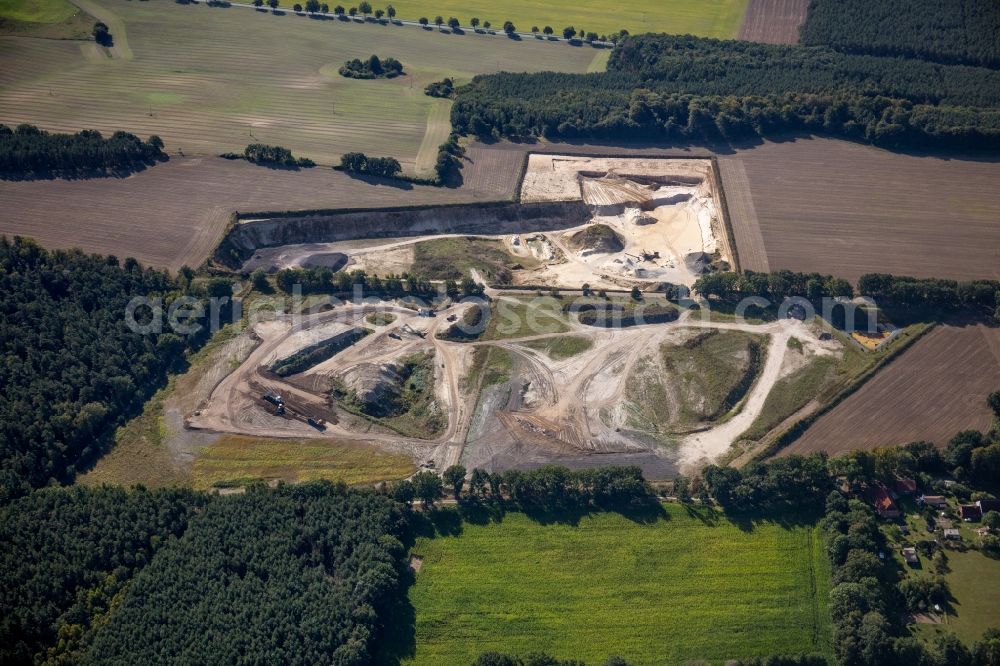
(560, 409)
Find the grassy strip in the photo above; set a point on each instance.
(561, 347)
(796, 429)
(235, 460)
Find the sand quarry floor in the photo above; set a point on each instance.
(547, 411)
(664, 211)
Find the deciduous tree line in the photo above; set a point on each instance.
(548, 487)
(28, 152)
(324, 280)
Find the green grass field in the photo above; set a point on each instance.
(690, 585)
(53, 19)
(707, 18)
(37, 11)
(205, 78)
(520, 317)
(235, 460)
(561, 346)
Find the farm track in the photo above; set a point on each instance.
(933, 390)
(773, 21)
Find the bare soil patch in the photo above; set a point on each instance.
(846, 209)
(933, 390)
(773, 21)
(175, 213)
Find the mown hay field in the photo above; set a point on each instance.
(706, 18)
(210, 80)
(687, 585)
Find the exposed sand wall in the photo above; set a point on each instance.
(502, 218)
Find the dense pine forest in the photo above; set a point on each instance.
(959, 31)
(28, 152)
(297, 575)
(71, 368)
(662, 87)
(68, 552)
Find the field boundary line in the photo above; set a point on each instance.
(799, 428)
(727, 223)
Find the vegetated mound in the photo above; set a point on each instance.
(373, 68)
(960, 31)
(688, 386)
(682, 87)
(27, 152)
(612, 314)
(597, 239)
(455, 258)
(560, 347)
(398, 395)
(469, 326)
(716, 369)
(315, 354)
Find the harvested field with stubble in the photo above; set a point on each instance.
(203, 78)
(175, 213)
(773, 21)
(847, 209)
(931, 391)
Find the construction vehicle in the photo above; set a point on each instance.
(319, 424)
(273, 398)
(406, 328)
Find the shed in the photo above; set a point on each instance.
(970, 512)
(953, 534)
(910, 555)
(933, 500)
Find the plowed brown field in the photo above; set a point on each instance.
(933, 390)
(174, 214)
(848, 209)
(773, 21)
